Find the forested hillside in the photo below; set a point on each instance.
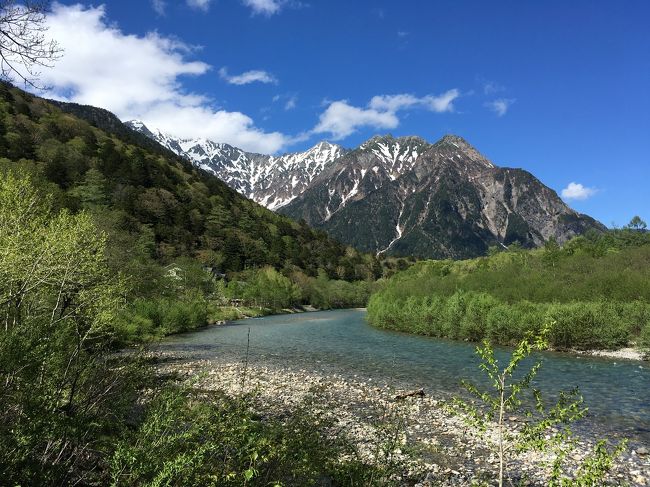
(173, 230)
(594, 291)
(150, 191)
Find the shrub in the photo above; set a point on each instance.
(473, 325)
(148, 319)
(193, 439)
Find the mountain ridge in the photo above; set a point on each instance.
(438, 200)
(154, 206)
(272, 181)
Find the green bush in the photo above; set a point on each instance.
(150, 319)
(474, 316)
(596, 290)
(588, 325)
(212, 439)
(644, 339)
(473, 324)
(63, 392)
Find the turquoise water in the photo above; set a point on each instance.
(617, 392)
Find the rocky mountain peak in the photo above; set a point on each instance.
(389, 140)
(443, 200)
(455, 147)
(394, 195)
(395, 155)
(378, 138)
(272, 181)
(139, 126)
(323, 149)
(453, 140)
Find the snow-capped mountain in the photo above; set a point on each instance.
(272, 181)
(395, 195)
(444, 200)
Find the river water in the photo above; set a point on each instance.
(617, 392)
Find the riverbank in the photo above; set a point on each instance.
(627, 353)
(220, 315)
(427, 445)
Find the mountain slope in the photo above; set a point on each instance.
(272, 181)
(442, 200)
(154, 201)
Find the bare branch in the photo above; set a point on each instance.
(24, 45)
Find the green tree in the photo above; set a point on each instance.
(272, 289)
(58, 390)
(546, 429)
(217, 219)
(92, 193)
(552, 252)
(636, 223)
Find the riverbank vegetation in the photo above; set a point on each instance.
(74, 411)
(106, 241)
(595, 289)
(548, 426)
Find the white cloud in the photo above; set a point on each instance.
(291, 103)
(290, 100)
(199, 4)
(140, 78)
(393, 103)
(442, 103)
(254, 76)
(159, 6)
(576, 191)
(500, 106)
(264, 7)
(341, 119)
(234, 128)
(271, 7)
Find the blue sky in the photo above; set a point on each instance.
(558, 88)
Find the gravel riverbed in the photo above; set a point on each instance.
(432, 446)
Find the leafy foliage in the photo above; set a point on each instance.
(210, 439)
(75, 411)
(546, 429)
(60, 393)
(595, 290)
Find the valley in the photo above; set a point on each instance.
(272, 243)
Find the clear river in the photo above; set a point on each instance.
(617, 392)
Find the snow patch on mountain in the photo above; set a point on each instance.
(272, 181)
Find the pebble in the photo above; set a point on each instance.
(363, 409)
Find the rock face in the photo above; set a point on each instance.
(401, 196)
(272, 181)
(445, 200)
